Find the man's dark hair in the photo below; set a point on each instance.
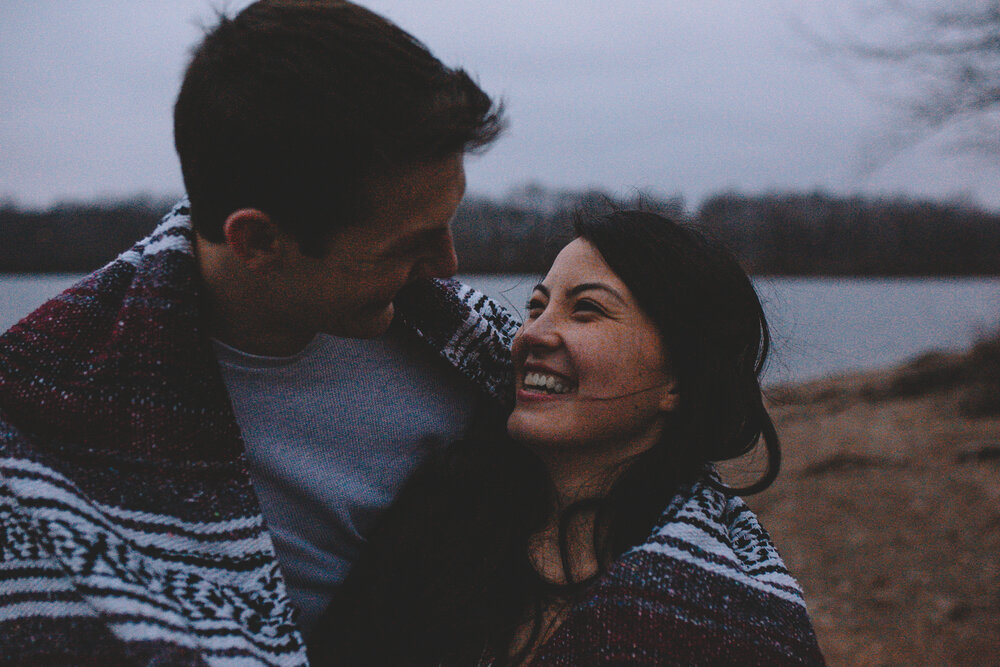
(293, 106)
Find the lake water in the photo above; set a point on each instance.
(819, 325)
(825, 325)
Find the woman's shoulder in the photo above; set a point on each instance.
(706, 587)
(705, 529)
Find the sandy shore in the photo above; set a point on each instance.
(888, 512)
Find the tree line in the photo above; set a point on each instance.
(772, 234)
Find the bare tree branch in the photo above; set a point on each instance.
(939, 65)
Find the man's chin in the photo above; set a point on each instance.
(369, 323)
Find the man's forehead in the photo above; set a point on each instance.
(416, 183)
(409, 208)
(422, 198)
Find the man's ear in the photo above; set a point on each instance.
(670, 398)
(253, 238)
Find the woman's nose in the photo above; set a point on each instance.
(540, 332)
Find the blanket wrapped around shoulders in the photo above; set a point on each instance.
(707, 588)
(129, 530)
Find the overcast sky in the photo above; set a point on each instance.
(674, 96)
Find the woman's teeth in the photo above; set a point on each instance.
(548, 383)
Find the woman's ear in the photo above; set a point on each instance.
(253, 237)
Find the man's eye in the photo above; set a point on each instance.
(393, 255)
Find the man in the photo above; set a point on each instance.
(194, 439)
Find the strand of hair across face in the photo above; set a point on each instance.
(590, 397)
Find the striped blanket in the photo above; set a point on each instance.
(706, 588)
(129, 531)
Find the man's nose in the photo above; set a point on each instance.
(443, 262)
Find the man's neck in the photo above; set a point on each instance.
(236, 307)
(264, 344)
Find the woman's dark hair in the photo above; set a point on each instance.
(294, 106)
(713, 328)
(446, 574)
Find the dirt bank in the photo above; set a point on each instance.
(888, 512)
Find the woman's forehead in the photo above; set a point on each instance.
(578, 262)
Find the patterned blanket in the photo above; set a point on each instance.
(129, 531)
(707, 588)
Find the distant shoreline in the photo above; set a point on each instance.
(795, 234)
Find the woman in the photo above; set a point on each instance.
(594, 531)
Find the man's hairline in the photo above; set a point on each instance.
(366, 214)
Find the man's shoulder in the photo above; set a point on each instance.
(115, 306)
(122, 339)
(466, 327)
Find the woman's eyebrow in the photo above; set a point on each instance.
(583, 287)
(541, 288)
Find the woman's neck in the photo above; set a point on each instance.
(582, 474)
(569, 539)
(567, 549)
(563, 552)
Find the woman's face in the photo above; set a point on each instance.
(590, 366)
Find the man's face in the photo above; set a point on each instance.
(349, 291)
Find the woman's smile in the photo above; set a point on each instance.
(539, 382)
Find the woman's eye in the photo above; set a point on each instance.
(534, 307)
(588, 306)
